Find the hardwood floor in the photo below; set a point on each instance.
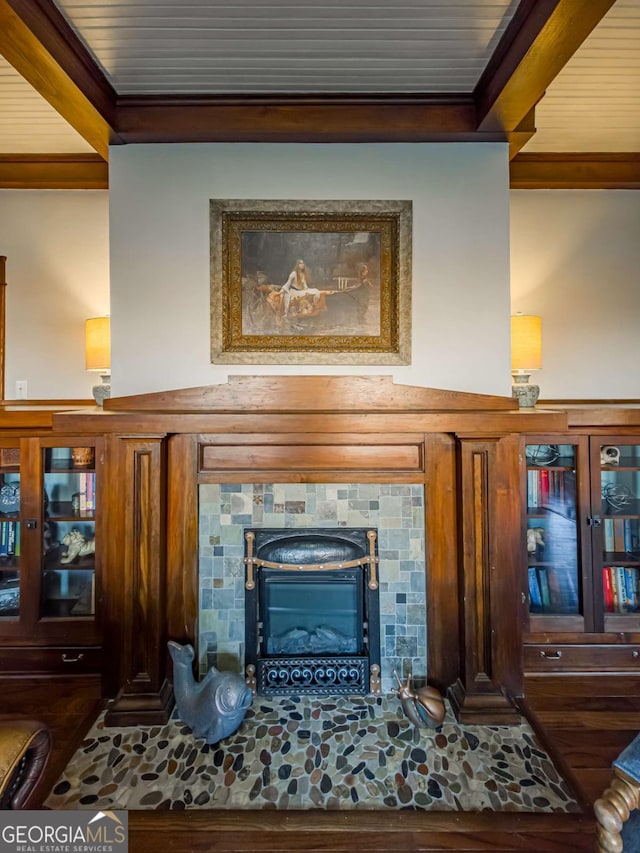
(583, 721)
(586, 721)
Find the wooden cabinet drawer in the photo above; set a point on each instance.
(593, 658)
(54, 659)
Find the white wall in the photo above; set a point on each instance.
(574, 254)
(575, 261)
(57, 248)
(159, 225)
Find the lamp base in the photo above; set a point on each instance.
(525, 392)
(103, 391)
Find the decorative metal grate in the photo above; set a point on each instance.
(313, 675)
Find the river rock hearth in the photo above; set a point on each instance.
(315, 752)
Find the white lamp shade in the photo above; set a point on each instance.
(526, 342)
(98, 344)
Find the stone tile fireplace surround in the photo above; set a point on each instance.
(395, 510)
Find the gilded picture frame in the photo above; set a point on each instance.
(310, 282)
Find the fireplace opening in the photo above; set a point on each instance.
(312, 611)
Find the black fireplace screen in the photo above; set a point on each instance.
(311, 611)
(315, 614)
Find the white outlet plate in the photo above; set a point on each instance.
(21, 389)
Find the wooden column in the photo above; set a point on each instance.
(488, 610)
(182, 540)
(145, 696)
(442, 584)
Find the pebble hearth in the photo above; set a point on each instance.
(306, 752)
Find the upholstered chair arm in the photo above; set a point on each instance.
(25, 746)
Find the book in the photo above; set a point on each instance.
(91, 505)
(622, 590)
(545, 592)
(608, 535)
(11, 538)
(618, 535)
(544, 487)
(83, 492)
(535, 597)
(609, 604)
(631, 536)
(630, 588)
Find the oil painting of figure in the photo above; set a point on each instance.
(310, 283)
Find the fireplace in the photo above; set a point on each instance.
(312, 616)
(395, 511)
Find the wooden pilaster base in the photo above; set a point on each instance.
(141, 709)
(486, 708)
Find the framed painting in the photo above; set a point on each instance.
(310, 282)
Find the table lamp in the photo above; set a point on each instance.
(526, 355)
(98, 354)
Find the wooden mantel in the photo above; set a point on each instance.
(275, 403)
(463, 448)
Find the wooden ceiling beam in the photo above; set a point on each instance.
(329, 118)
(53, 172)
(540, 39)
(575, 171)
(37, 41)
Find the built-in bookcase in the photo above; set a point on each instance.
(555, 533)
(10, 525)
(582, 533)
(49, 545)
(616, 482)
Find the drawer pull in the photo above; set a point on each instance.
(635, 654)
(551, 655)
(69, 659)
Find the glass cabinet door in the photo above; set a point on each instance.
(617, 464)
(68, 581)
(553, 547)
(10, 578)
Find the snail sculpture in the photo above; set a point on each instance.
(424, 707)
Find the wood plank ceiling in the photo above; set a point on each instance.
(557, 79)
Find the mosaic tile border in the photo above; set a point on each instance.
(396, 510)
(326, 753)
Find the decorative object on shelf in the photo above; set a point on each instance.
(82, 457)
(535, 539)
(617, 495)
(213, 708)
(98, 354)
(423, 706)
(9, 456)
(77, 546)
(9, 596)
(310, 282)
(526, 355)
(542, 454)
(10, 498)
(609, 455)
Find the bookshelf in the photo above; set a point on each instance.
(553, 536)
(581, 498)
(616, 483)
(10, 577)
(69, 533)
(50, 584)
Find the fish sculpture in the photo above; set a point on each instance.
(213, 708)
(424, 707)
